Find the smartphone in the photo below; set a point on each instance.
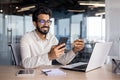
(25, 72)
(62, 40)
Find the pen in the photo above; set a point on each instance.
(45, 72)
(116, 65)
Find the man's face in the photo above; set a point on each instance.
(43, 24)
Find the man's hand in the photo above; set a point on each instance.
(56, 51)
(78, 45)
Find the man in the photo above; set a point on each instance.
(39, 47)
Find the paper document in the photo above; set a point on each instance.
(53, 72)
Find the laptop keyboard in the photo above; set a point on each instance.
(75, 65)
(81, 66)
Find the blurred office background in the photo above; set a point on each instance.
(74, 19)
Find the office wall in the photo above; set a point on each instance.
(113, 26)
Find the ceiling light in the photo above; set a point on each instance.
(21, 10)
(25, 8)
(17, 7)
(100, 13)
(76, 10)
(92, 3)
(28, 7)
(1, 10)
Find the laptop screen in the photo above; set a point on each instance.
(99, 55)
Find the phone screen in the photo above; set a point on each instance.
(21, 72)
(62, 40)
(25, 72)
(28, 71)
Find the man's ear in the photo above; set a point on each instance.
(34, 23)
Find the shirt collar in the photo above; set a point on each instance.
(37, 37)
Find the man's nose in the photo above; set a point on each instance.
(46, 23)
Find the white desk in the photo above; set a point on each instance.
(104, 73)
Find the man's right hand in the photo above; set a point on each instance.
(56, 51)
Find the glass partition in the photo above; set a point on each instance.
(1, 29)
(64, 27)
(14, 28)
(28, 24)
(1, 32)
(76, 27)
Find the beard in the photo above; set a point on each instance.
(43, 32)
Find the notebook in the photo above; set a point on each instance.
(53, 72)
(96, 60)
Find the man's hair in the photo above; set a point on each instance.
(41, 10)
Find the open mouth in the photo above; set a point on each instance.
(45, 28)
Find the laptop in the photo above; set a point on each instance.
(96, 60)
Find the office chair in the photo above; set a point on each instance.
(15, 48)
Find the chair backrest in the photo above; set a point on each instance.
(15, 48)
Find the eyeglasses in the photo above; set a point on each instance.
(43, 21)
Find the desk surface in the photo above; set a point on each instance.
(103, 73)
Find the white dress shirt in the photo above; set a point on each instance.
(34, 51)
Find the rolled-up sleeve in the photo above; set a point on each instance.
(66, 57)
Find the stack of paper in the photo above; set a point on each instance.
(53, 72)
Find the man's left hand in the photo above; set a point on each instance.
(78, 45)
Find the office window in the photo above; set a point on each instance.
(64, 27)
(52, 30)
(19, 24)
(28, 24)
(95, 28)
(76, 27)
(14, 27)
(1, 24)
(1, 32)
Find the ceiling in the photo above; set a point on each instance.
(14, 6)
